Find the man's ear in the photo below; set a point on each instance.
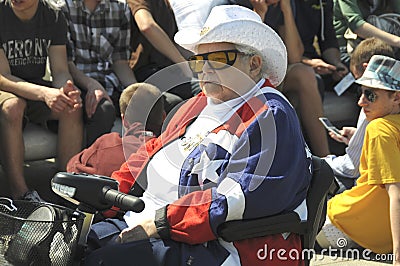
(255, 65)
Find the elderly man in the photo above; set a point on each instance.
(233, 152)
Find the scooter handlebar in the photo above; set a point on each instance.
(123, 201)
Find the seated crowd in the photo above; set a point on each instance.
(238, 126)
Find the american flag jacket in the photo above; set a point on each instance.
(265, 171)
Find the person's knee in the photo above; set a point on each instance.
(13, 110)
(301, 73)
(69, 121)
(104, 114)
(74, 116)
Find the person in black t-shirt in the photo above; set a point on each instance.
(32, 31)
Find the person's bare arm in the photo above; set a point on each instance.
(81, 80)
(290, 34)
(18, 86)
(124, 72)
(332, 56)
(261, 7)
(159, 39)
(59, 65)
(288, 31)
(157, 36)
(367, 30)
(394, 196)
(94, 90)
(56, 99)
(62, 78)
(330, 64)
(319, 65)
(346, 134)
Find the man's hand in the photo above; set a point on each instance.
(346, 134)
(320, 67)
(142, 230)
(340, 71)
(285, 5)
(261, 6)
(66, 97)
(95, 92)
(74, 95)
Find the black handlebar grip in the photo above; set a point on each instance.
(123, 201)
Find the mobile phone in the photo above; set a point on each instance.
(328, 125)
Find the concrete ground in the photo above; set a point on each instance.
(39, 173)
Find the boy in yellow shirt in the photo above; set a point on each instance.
(369, 213)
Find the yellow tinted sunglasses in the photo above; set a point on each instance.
(216, 60)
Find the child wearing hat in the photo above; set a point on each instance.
(368, 214)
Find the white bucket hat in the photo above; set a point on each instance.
(239, 25)
(382, 72)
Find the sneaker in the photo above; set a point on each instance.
(32, 196)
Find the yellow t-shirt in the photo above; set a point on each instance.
(363, 211)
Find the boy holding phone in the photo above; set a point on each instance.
(346, 166)
(329, 126)
(374, 201)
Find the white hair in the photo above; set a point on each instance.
(250, 51)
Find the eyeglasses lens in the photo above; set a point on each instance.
(216, 60)
(196, 63)
(370, 95)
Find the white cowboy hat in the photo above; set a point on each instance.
(382, 72)
(239, 25)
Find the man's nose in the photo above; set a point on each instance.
(207, 67)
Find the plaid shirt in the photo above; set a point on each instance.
(99, 38)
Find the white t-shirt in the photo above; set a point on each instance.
(347, 165)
